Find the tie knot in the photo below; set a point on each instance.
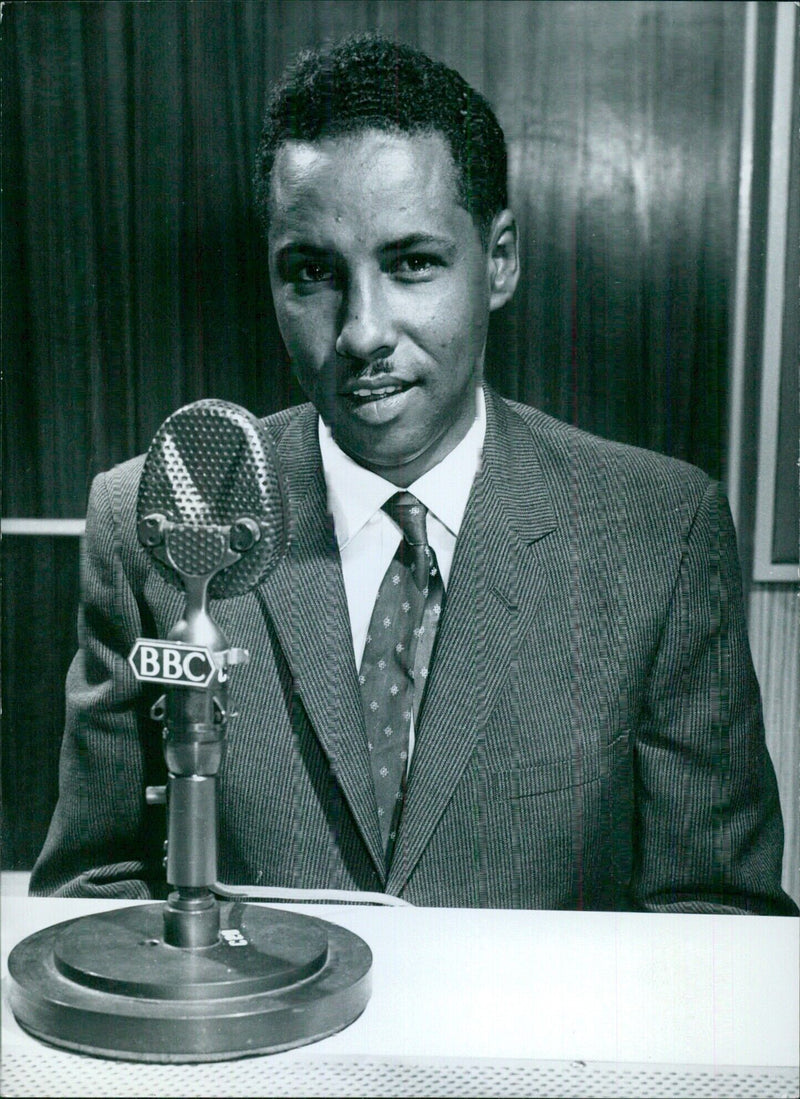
(409, 514)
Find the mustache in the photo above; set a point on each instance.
(373, 368)
(380, 367)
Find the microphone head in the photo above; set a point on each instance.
(212, 499)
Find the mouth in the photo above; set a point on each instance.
(374, 390)
(377, 400)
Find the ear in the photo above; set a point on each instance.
(502, 259)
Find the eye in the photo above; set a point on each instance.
(311, 271)
(416, 265)
(304, 270)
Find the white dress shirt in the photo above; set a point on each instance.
(368, 539)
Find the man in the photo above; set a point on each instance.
(525, 681)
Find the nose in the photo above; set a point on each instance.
(366, 330)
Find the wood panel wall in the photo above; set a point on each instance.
(775, 638)
(135, 277)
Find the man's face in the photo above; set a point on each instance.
(382, 290)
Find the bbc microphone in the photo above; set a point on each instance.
(195, 978)
(211, 511)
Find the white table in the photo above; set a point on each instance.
(476, 1002)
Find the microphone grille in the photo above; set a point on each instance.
(212, 465)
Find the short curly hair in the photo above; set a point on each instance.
(370, 82)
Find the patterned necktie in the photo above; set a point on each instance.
(397, 655)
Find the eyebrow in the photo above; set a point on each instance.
(420, 240)
(298, 248)
(402, 244)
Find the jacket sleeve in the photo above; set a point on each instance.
(708, 828)
(103, 839)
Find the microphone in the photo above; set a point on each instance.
(211, 511)
(244, 979)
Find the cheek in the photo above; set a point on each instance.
(455, 319)
(442, 325)
(306, 326)
(455, 336)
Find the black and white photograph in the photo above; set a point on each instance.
(400, 526)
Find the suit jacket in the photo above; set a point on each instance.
(591, 736)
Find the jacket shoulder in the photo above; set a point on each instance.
(571, 452)
(278, 423)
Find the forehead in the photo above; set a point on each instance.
(371, 181)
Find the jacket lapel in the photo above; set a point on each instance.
(306, 601)
(495, 586)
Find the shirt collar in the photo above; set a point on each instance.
(355, 494)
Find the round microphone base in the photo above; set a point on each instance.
(110, 986)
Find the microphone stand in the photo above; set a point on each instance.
(193, 979)
(194, 734)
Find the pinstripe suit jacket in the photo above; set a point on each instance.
(592, 732)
